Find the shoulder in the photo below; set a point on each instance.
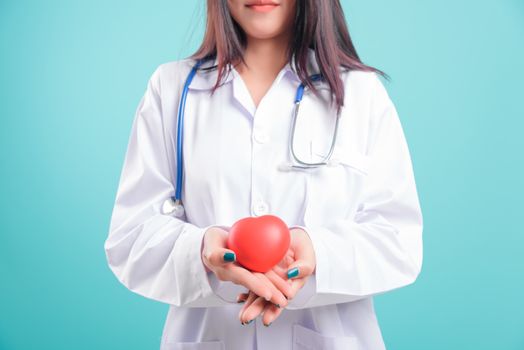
(167, 75)
(368, 107)
(366, 89)
(366, 83)
(174, 67)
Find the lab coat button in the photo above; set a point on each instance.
(261, 136)
(260, 208)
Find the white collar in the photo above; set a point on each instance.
(206, 79)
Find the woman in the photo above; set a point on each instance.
(355, 223)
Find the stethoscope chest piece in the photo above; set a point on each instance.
(173, 207)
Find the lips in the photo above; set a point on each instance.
(261, 2)
(262, 6)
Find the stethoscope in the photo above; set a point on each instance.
(173, 205)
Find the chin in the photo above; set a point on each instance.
(265, 31)
(261, 36)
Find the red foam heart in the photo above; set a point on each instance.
(259, 243)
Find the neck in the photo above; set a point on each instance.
(264, 56)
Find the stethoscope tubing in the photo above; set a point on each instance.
(175, 204)
(180, 129)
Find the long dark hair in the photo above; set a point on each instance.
(319, 25)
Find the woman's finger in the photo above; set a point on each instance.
(304, 255)
(281, 271)
(297, 284)
(242, 297)
(250, 299)
(271, 312)
(277, 297)
(280, 283)
(220, 256)
(253, 310)
(214, 251)
(241, 276)
(300, 268)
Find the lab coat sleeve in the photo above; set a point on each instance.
(155, 255)
(380, 248)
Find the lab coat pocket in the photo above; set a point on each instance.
(334, 190)
(210, 345)
(353, 160)
(308, 339)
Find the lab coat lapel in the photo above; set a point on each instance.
(206, 76)
(242, 95)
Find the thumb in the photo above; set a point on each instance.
(221, 256)
(299, 269)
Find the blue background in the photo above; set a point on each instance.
(72, 74)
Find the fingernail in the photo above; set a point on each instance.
(292, 273)
(241, 301)
(229, 257)
(277, 305)
(248, 322)
(267, 325)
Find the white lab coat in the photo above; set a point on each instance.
(362, 213)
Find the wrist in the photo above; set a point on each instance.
(203, 247)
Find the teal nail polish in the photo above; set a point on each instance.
(292, 273)
(277, 305)
(267, 325)
(229, 257)
(248, 322)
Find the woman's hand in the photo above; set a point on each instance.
(298, 264)
(221, 261)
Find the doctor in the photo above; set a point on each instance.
(338, 173)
